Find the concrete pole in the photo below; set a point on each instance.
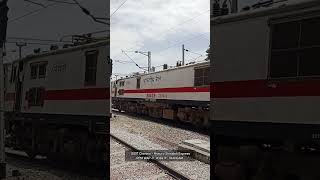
(183, 54)
(20, 45)
(149, 61)
(234, 6)
(2, 124)
(3, 28)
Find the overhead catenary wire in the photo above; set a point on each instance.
(161, 50)
(175, 26)
(62, 2)
(193, 59)
(48, 44)
(123, 62)
(31, 12)
(183, 22)
(176, 44)
(179, 43)
(35, 39)
(32, 2)
(98, 32)
(188, 50)
(88, 13)
(118, 7)
(132, 59)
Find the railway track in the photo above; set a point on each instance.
(61, 169)
(170, 123)
(174, 174)
(138, 134)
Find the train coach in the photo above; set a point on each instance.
(265, 87)
(180, 93)
(57, 102)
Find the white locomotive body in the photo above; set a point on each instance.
(265, 89)
(57, 80)
(178, 93)
(265, 72)
(60, 94)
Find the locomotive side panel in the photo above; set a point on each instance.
(65, 104)
(239, 54)
(176, 94)
(242, 89)
(66, 90)
(177, 84)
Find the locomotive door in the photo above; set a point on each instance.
(115, 88)
(18, 96)
(18, 89)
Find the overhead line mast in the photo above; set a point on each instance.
(3, 32)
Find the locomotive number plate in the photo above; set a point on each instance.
(154, 95)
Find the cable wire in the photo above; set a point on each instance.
(132, 59)
(39, 4)
(192, 52)
(173, 27)
(88, 13)
(13, 42)
(31, 12)
(118, 8)
(60, 1)
(35, 39)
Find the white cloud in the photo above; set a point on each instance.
(155, 25)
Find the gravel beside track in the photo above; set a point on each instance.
(166, 136)
(132, 170)
(39, 169)
(148, 135)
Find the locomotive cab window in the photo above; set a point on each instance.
(91, 68)
(36, 96)
(201, 76)
(294, 49)
(138, 82)
(121, 83)
(42, 70)
(38, 70)
(34, 70)
(13, 73)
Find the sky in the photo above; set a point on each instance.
(50, 23)
(159, 26)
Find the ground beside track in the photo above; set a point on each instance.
(160, 133)
(132, 170)
(39, 169)
(153, 134)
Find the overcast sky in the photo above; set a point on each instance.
(52, 22)
(159, 26)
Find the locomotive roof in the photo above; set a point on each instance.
(171, 69)
(290, 5)
(61, 51)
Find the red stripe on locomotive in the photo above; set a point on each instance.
(264, 88)
(10, 97)
(78, 94)
(170, 90)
